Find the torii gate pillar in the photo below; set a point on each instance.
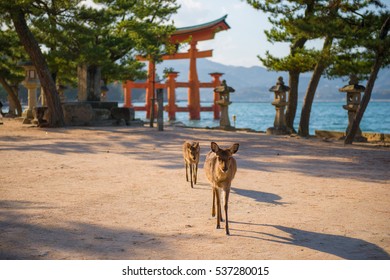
(193, 89)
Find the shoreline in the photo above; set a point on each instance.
(260, 118)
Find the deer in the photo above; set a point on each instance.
(191, 153)
(220, 168)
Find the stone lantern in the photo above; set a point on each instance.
(280, 102)
(224, 101)
(353, 91)
(31, 82)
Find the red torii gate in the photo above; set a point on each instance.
(191, 35)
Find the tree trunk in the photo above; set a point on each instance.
(13, 97)
(55, 113)
(88, 77)
(291, 111)
(294, 75)
(370, 85)
(303, 129)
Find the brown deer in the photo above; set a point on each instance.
(191, 153)
(220, 168)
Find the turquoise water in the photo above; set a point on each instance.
(324, 116)
(260, 115)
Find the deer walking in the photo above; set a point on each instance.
(220, 168)
(191, 153)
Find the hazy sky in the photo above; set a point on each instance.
(242, 43)
(239, 45)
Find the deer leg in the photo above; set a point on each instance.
(213, 208)
(191, 174)
(195, 173)
(219, 214)
(220, 208)
(226, 211)
(186, 171)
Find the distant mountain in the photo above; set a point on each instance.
(253, 83)
(250, 83)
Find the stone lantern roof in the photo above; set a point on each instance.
(352, 88)
(224, 88)
(353, 85)
(279, 87)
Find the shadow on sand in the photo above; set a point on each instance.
(341, 246)
(22, 239)
(259, 196)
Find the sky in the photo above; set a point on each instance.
(243, 42)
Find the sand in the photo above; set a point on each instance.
(120, 193)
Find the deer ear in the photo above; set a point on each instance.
(188, 145)
(234, 148)
(196, 145)
(214, 147)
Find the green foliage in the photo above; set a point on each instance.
(303, 60)
(348, 44)
(166, 71)
(292, 23)
(11, 54)
(109, 36)
(358, 50)
(350, 25)
(124, 29)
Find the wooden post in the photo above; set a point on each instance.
(160, 111)
(216, 83)
(171, 88)
(193, 90)
(127, 94)
(149, 99)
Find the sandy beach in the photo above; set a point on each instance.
(120, 193)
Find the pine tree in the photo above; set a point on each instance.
(107, 38)
(301, 21)
(10, 73)
(379, 44)
(332, 23)
(18, 13)
(291, 21)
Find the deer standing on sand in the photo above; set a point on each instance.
(220, 168)
(191, 153)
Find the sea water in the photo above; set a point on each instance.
(261, 115)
